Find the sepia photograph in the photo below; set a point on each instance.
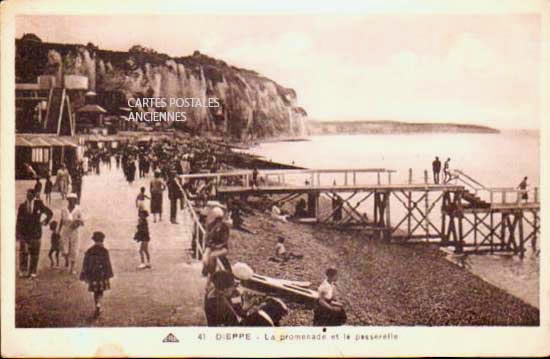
(322, 172)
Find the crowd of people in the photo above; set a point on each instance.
(163, 164)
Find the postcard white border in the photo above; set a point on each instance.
(412, 341)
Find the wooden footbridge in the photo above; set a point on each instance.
(461, 213)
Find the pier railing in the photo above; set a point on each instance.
(512, 195)
(298, 177)
(198, 235)
(497, 195)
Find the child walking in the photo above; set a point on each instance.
(142, 237)
(97, 270)
(55, 248)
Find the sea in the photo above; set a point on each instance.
(494, 160)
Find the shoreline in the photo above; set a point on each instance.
(464, 282)
(380, 283)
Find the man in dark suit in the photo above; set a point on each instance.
(29, 231)
(175, 192)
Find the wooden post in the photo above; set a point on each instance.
(311, 204)
(354, 179)
(389, 177)
(312, 179)
(475, 228)
(536, 194)
(409, 211)
(521, 238)
(443, 229)
(503, 197)
(378, 177)
(376, 201)
(317, 205)
(388, 219)
(492, 231)
(534, 240)
(503, 230)
(425, 177)
(345, 178)
(410, 175)
(318, 179)
(426, 208)
(460, 235)
(491, 196)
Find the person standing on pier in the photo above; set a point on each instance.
(447, 171)
(436, 168)
(523, 187)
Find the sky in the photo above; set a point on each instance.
(464, 68)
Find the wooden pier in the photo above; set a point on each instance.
(462, 214)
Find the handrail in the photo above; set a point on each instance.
(289, 172)
(198, 230)
(460, 175)
(518, 192)
(314, 175)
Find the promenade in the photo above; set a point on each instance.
(169, 294)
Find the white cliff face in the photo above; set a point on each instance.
(251, 105)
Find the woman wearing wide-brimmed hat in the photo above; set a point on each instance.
(71, 221)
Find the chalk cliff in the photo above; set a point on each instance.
(252, 106)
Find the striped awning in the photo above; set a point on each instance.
(44, 141)
(23, 142)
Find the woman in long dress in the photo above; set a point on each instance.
(156, 188)
(62, 180)
(71, 221)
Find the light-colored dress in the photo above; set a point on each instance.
(70, 233)
(62, 180)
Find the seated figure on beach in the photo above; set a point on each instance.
(328, 311)
(278, 214)
(281, 254)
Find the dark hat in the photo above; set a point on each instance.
(98, 236)
(222, 280)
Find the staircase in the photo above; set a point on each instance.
(472, 187)
(473, 201)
